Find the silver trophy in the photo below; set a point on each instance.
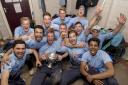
(52, 57)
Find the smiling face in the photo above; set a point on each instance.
(62, 14)
(38, 34)
(50, 38)
(63, 28)
(19, 50)
(72, 38)
(78, 28)
(47, 20)
(26, 25)
(93, 47)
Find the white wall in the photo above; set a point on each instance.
(111, 10)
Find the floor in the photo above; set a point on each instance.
(121, 73)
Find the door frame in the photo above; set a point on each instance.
(5, 19)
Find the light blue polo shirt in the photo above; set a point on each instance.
(55, 27)
(48, 48)
(58, 21)
(19, 31)
(59, 46)
(83, 21)
(81, 36)
(14, 64)
(32, 43)
(76, 54)
(98, 61)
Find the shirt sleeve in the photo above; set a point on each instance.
(106, 58)
(108, 35)
(85, 57)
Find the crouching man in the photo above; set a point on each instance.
(12, 68)
(96, 65)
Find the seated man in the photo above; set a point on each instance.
(36, 43)
(75, 53)
(49, 70)
(12, 68)
(24, 31)
(96, 65)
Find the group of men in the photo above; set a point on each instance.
(77, 41)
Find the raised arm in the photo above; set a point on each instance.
(121, 21)
(94, 20)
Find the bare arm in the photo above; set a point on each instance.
(84, 69)
(60, 57)
(80, 45)
(36, 56)
(108, 73)
(121, 21)
(94, 20)
(6, 55)
(4, 78)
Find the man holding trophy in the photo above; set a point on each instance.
(50, 72)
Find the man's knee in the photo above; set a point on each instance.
(56, 77)
(112, 81)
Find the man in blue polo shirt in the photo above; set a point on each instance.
(62, 17)
(24, 31)
(39, 40)
(75, 53)
(96, 65)
(12, 68)
(53, 73)
(36, 43)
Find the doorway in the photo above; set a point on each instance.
(14, 10)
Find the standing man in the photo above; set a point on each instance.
(96, 65)
(62, 17)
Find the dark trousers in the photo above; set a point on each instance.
(107, 81)
(30, 61)
(47, 76)
(15, 79)
(70, 75)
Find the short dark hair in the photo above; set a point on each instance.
(63, 24)
(46, 14)
(95, 40)
(39, 26)
(78, 23)
(18, 42)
